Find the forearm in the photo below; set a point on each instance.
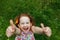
(45, 30)
(37, 30)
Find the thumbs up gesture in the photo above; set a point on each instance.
(46, 30)
(11, 29)
(12, 26)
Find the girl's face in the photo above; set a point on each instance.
(25, 24)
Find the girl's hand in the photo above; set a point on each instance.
(46, 30)
(11, 29)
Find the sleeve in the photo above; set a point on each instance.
(37, 30)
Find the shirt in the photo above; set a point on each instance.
(27, 36)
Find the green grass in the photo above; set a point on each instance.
(46, 11)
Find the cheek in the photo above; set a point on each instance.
(20, 26)
(30, 26)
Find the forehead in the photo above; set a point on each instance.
(24, 18)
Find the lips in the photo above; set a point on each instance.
(25, 28)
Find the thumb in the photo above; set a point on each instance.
(42, 25)
(11, 23)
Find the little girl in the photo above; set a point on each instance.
(24, 28)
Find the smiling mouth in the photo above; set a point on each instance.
(25, 28)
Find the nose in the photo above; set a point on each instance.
(25, 25)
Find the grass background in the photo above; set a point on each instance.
(46, 11)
